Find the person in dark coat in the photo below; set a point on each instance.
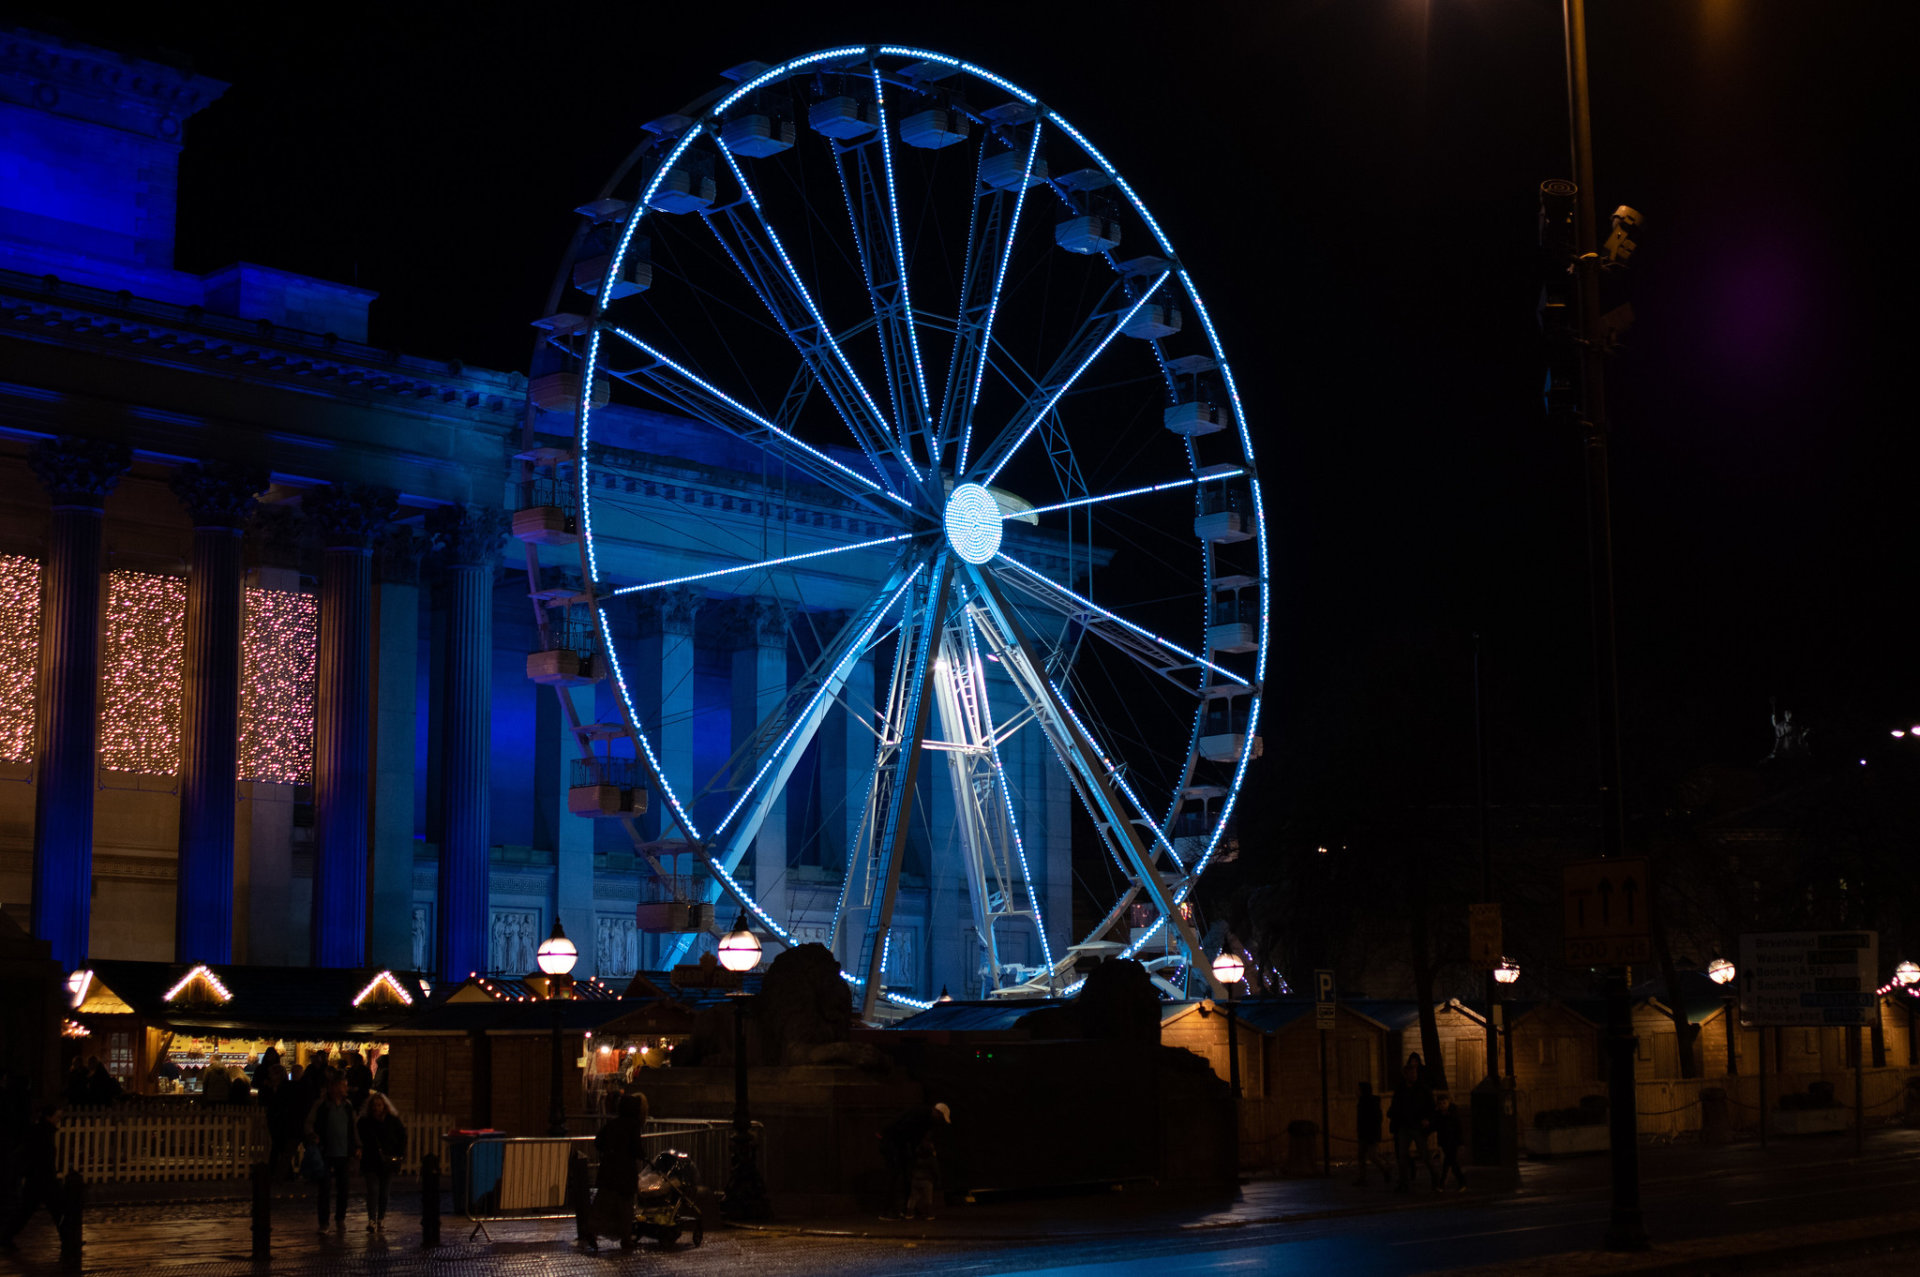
(40, 1161)
(1446, 1134)
(331, 1129)
(383, 1142)
(1367, 1133)
(77, 1079)
(617, 1184)
(286, 1114)
(899, 1146)
(1410, 1117)
(359, 1080)
(270, 1076)
(103, 1088)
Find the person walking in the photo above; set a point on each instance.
(1367, 1133)
(330, 1130)
(78, 1090)
(286, 1112)
(270, 1076)
(40, 1162)
(103, 1088)
(359, 1080)
(1446, 1134)
(1410, 1119)
(900, 1145)
(383, 1143)
(617, 1183)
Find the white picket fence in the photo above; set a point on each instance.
(133, 1143)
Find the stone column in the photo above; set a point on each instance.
(467, 540)
(661, 681)
(219, 497)
(79, 473)
(846, 771)
(396, 660)
(349, 516)
(755, 630)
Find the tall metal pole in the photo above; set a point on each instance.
(1626, 1230)
(1486, 856)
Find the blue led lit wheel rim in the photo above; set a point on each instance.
(872, 355)
(972, 521)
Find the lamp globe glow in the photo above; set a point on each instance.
(1227, 968)
(1907, 973)
(973, 523)
(739, 948)
(556, 954)
(1720, 971)
(1507, 972)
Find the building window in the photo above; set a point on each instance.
(1549, 1053)
(141, 672)
(280, 649)
(120, 1056)
(1645, 1042)
(19, 655)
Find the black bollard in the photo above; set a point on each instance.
(262, 1176)
(430, 1201)
(73, 1204)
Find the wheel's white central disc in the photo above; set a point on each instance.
(973, 523)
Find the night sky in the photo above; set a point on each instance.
(1353, 186)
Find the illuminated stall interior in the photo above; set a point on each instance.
(160, 1027)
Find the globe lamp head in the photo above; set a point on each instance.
(1507, 972)
(1720, 971)
(556, 954)
(739, 948)
(1228, 968)
(1907, 973)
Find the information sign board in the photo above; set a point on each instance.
(1605, 904)
(1808, 977)
(1323, 998)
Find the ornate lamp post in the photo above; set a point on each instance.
(1721, 972)
(1228, 969)
(1504, 976)
(556, 957)
(1907, 975)
(746, 1194)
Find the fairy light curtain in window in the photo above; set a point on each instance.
(140, 677)
(279, 654)
(19, 654)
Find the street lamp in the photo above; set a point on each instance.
(746, 1193)
(740, 948)
(1721, 972)
(1907, 975)
(556, 957)
(1228, 969)
(1505, 975)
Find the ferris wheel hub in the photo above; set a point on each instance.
(973, 523)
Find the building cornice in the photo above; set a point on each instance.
(98, 85)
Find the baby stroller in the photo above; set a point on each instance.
(665, 1207)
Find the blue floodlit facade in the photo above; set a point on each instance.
(427, 824)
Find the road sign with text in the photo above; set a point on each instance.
(1606, 904)
(1324, 1000)
(1809, 977)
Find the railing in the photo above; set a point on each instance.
(526, 1177)
(132, 1144)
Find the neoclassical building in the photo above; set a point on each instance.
(264, 683)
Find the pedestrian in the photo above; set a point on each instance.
(1367, 1133)
(78, 1090)
(214, 1083)
(1446, 1134)
(899, 1146)
(926, 1175)
(1410, 1119)
(383, 1143)
(359, 1080)
(381, 1074)
(330, 1130)
(103, 1088)
(286, 1113)
(270, 1076)
(617, 1183)
(40, 1162)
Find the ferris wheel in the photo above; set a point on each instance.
(901, 286)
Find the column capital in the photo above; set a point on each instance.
(667, 611)
(79, 472)
(279, 537)
(466, 535)
(219, 494)
(397, 554)
(349, 515)
(748, 622)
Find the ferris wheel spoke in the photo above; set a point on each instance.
(762, 259)
(1104, 497)
(771, 754)
(678, 385)
(762, 565)
(990, 240)
(1093, 338)
(1161, 655)
(1101, 783)
(890, 845)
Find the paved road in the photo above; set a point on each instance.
(1695, 1193)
